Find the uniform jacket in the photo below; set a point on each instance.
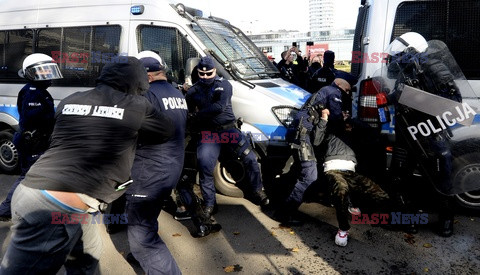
(35, 108)
(95, 135)
(36, 118)
(211, 103)
(171, 102)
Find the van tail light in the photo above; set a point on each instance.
(372, 103)
(383, 112)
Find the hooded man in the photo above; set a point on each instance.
(87, 166)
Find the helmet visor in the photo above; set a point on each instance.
(47, 71)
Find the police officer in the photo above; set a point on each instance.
(415, 62)
(310, 124)
(155, 172)
(325, 75)
(36, 111)
(332, 98)
(209, 101)
(87, 166)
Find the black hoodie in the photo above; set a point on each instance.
(95, 135)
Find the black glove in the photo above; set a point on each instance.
(314, 116)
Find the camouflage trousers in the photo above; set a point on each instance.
(343, 184)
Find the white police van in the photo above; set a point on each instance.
(83, 35)
(456, 23)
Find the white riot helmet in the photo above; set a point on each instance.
(39, 67)
(161, 66)
(409, 40)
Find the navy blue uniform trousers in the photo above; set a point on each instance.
(152, 181)
(208, 151)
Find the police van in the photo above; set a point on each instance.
(84, 35)
(455, 23)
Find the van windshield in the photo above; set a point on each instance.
(233, 47)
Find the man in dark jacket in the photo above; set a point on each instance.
(293, 68)
(87, 166)
(339, 167)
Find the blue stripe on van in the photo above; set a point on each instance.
(274, 132)
(291, 92)
(9, 109)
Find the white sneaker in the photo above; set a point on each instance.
(341, 238)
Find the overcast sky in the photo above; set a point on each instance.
(261, 15)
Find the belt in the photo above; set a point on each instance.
(227, 126)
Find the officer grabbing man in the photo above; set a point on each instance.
(86, 167)
(209, 102)
(155, 172)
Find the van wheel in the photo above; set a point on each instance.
(469, 199)
(9, 160)
(467, 172)
(228, 175)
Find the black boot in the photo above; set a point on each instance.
(260, 198)
(204, 230)
(446, 227)
(286, 214)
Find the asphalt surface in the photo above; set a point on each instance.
(253, 243)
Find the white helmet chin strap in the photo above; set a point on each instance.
(403, 41)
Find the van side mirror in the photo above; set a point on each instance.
(190, 76)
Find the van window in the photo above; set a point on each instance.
(15, 45)
(454, 22)
(172, 47)
(233, 47)
(80, 51)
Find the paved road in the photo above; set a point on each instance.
(255, 244)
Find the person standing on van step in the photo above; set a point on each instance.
(36, 112)
(210, 106)
(155, 172)
(86, 167)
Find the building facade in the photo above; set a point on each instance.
(326, 32)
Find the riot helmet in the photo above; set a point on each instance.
(406, 42)
(405, 51)
(39, 67)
